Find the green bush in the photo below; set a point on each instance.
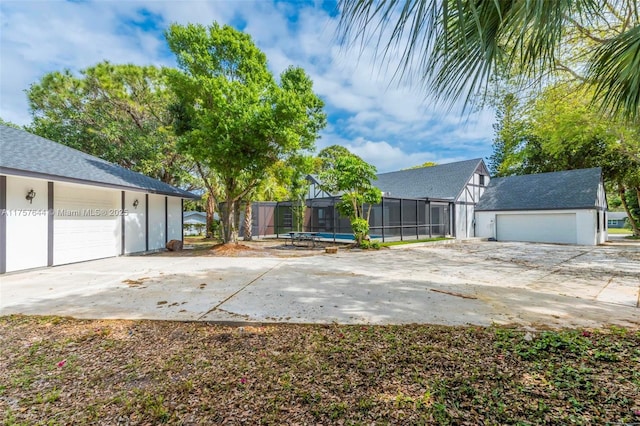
(367, 244)
(360, 229)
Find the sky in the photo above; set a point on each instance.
(390, 124)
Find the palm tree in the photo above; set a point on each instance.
(456, 47)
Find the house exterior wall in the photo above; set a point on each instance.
(314, 190)
(157, 239)
(194, 223)
(465, 205)
(601, 206)
(585, 223)
(135, 222)
(616, 223)
(26, 224)
(70, 222)
(174, 218)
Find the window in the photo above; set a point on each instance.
(481, 180)
(612, 222)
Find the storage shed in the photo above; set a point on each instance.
(59, 205)
(566, 207)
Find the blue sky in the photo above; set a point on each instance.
(390, 125)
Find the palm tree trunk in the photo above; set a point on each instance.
(236, 221)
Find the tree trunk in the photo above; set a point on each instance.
(211, 208)
(248, 222)
(623, 198)
(228, 219)
(211, 201)
(637, 223)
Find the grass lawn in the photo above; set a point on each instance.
(399, 243)
(200, 242)
(619, 231)
(63, 371)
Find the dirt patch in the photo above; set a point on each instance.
(231, 248)
(135, 283)
(257, 248)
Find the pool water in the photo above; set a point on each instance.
(346, 237)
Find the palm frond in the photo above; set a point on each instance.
(457, 45)
(615, 72)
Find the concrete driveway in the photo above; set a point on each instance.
(464, 283)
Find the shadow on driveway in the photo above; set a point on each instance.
(479, 283)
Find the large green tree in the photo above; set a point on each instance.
(235, 117)
(119, 113)
(457, 47)
(352, 177)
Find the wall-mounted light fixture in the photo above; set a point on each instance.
(31, 195)
(135, 203)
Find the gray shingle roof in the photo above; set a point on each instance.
(570, 189)
(444, 181)
(26, 154)
(617, 215)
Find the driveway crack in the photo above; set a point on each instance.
(556, 268)
(606, 285)
(241, 289)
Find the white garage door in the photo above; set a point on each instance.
(541, 228)
(86, 223)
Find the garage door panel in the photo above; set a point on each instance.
(86, 224)
(544, 228)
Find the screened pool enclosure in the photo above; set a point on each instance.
(393, 219)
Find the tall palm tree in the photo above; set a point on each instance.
(456, 47)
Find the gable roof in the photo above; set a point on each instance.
(616, 215)
(25, 154)
(570, 189)
(194, 213)
(444, 181)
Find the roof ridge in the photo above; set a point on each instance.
(413, 169)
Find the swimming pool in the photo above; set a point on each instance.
(346, 237)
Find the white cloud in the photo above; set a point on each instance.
(389, 125)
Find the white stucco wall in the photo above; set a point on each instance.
(27, 224)
(174, 213)
(603, 235)
(464, 220)
(135, 222)
(156, 222)
(465, 206)
(585, 223)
